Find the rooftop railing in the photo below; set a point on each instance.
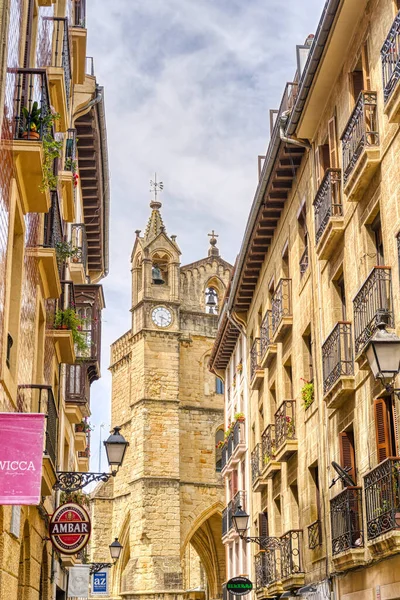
(337, 355)
(390, 55)
(328, 201)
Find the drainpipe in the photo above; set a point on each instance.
(294, 141)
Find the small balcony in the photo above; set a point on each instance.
(31, 104)
(256, 372)
(79, 42)
(83, 459)
(89, 301)
(328, 214)
(270, 465)
(282, 319)
(390, 56)
(347, 529)
(238, 442)
(338, 365)
(372, 304)
(258, 482)
(285, 430)
(267, 348)
(228, 528)
(361, 146)
(314, 535)
(77, 395)
(267, 571)
(78, 263)
(382, 507)
(40, 398)
(292, 568)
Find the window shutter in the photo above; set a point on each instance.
(263, 524)
(382, 429)
(395, 425)
(347, 454)
(234, 483)
(318, 167)
(332, 143)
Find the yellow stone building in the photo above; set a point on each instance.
(165, 505)
(317, 271)
(54, 205)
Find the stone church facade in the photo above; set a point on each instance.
(166, 502)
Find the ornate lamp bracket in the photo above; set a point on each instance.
(97, 567)
(72, 481)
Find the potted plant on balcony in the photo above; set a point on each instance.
(65, 250)
(240, 417)
(83, 427)
(51, 150)
(68, 319)
(307, 393)
(33, 121)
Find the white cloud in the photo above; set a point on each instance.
(188, 86)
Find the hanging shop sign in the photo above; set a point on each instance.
(69, 528)
(21, 457)
(239, 586)
(100, 582)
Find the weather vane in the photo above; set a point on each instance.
(156, 186)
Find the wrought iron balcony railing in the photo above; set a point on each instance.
(285, 422)
(254, 357)
(346, 520)
(304, 260)
(31, 104)
(337, 355)
(281, 303)
(372, 304)
(314, 535)
(328, 201)
(224, 456)
(390, 55)
(382, 498)
(238, 500)
(79, 244)
(266, 565)
(291, 553)
(54, 228)
(268, 442)
(361, 131)
(266, 333)
(61, 56)
(255, 462)
(70, 151)
(238, 435)
(39, 398)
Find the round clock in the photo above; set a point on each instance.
(161, 316)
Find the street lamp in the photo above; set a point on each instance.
(241, 520)
(72, 481)
(383, 354)
(115, 551)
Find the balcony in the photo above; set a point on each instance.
(360, 146)
(328, 214)
(77, 395)
(78, 262)
(347, 529)
(382, 507)
(292, 569)
(40, 398)
(338, 365)
(238, 442)
(31, 104)
(89, 301)
(228, 529)
(270, 465)
(267, 348)
(258, 482)
(83, 460)
(79, 42)
(282, 319)
(285, 430)
(314, 535)
(58, 67)
(390, 56)
(267, 571)
(372, 304)
(256, 372)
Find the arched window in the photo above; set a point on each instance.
(211, 301)
(219, 441)
(219, 386)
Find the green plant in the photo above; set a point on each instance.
(68, 319)
(65, 250)
(239, 416)
(77, 497)
(32, 118)
(307, 393)
(70, 165)
(51, 150)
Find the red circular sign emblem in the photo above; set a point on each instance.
(69, 528)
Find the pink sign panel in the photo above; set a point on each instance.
(21, 456)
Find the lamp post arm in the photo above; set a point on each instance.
(97, 567)
(265, 542)
(72, 481)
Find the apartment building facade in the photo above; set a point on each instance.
(317, 272)
(54, 197)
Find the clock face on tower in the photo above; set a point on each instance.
(161, 316)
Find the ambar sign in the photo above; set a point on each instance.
(239, 586)
(70, 528)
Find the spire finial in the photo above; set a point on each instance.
(155, 187)
(213, 251)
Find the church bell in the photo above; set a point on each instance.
(211, 298)
(156, 275)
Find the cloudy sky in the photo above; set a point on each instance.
(188, 89)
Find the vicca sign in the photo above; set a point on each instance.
(69, 528)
